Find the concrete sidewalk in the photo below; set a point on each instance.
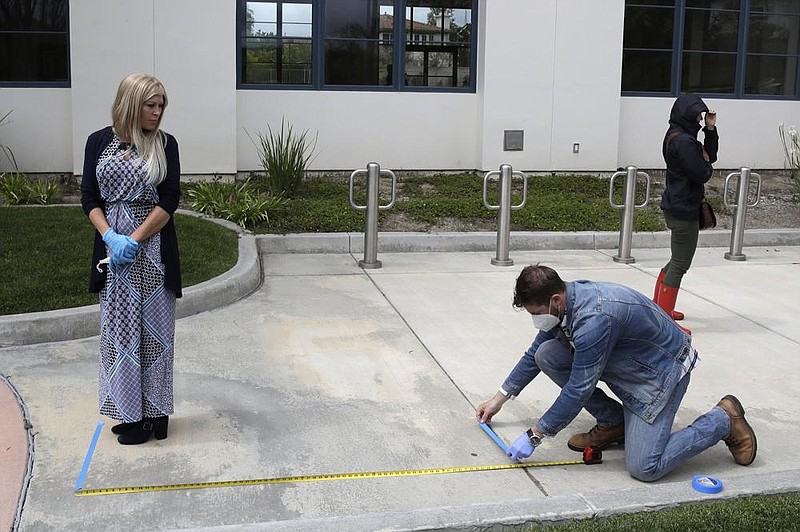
(328, 368)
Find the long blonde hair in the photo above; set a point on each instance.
(133, 91)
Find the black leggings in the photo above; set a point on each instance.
(683, 243)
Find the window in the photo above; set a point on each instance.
(358, 44)
(734, 48)
(438, 44)
(34, 42)
(647, 47)
(353, 51)
(772, 52)
(276, 46)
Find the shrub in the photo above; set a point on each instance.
(14, 186)
(239, 203)
(45, 192)
(207, 197)
(19, 190)
(284, 155)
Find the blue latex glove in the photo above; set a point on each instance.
(113, 263)
(131, 247)
(121, 250)
(521, 448)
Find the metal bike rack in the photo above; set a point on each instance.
(505, 175)
(626, 231)
(740, 209)
(373, 171)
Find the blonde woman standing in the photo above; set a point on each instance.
(130, 190)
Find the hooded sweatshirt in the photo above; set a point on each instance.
(687, 171)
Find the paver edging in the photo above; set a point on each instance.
(25, 427)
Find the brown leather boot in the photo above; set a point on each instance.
(742, 440)
(600, 437)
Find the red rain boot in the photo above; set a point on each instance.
(676, 315)
(666, 300)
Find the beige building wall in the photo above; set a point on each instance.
(39, 129)
(550, 68)
(187, 44)
(748, 131)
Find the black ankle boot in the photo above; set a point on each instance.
(122, 428)
(144, 429)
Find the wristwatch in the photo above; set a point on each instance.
(535, 440)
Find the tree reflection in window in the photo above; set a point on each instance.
(394, 44)
(438, 36)
(277, 43)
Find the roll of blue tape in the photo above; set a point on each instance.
(706, 484)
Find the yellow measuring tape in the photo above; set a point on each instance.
(317, 478)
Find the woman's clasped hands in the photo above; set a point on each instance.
(122, 248)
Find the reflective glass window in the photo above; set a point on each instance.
(277, 43)
(720, 47)
(385, 44)
(34, 42)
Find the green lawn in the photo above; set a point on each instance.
(45, 255)
(764, 513)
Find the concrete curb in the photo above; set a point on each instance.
(402, 242)
(236, 283)
(550, 510)
(83, 322)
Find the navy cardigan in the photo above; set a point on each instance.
(169, 192)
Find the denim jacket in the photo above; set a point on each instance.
(620, 337)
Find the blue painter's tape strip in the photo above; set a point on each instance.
(706, 484)
(88, 459)
(488, 430)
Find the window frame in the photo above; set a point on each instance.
(318, 54)
(241, 21)
(67, 50)
(740, 76)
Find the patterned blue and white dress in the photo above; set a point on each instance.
(137, 312)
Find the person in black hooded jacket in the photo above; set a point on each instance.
(688, 169)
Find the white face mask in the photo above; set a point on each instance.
(545, 322)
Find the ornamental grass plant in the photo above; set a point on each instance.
(285, 154)
(17, 189)
(240, 203)
(790, 140)
(5, 151)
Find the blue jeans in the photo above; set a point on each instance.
(651, 449)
